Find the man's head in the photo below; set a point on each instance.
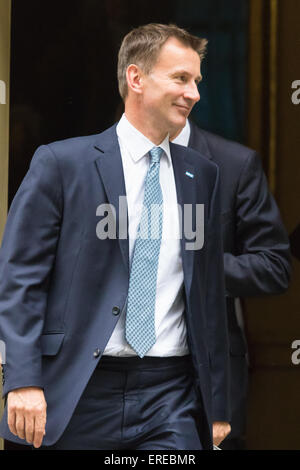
(158, 73)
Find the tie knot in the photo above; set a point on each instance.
(155, 154)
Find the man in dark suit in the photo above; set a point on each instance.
(256, 248)
(117, 338)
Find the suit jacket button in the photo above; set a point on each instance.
(97, 353)
(116, 311)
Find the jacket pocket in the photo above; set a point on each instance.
(51, 343)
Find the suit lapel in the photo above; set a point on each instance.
(110, 169)
(185, 179)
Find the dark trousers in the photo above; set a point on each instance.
(140, 404)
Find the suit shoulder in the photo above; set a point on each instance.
(224, 150)
(72, 148)
(76, 149)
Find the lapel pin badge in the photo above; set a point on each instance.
(189, 174)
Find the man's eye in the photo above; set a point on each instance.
(182, 78)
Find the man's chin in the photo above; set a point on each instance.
(180, 122)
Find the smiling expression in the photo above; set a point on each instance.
(170, 89)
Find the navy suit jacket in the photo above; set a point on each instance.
(62, 288)
(257, 257)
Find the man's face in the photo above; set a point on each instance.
(170, 90)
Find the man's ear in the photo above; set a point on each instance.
(134, 77)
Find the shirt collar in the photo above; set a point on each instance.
(184, 136)
(136, 143)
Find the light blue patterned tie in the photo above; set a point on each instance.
(140, 317)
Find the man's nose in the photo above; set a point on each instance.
(192, 92)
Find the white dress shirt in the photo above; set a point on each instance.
(170, 326)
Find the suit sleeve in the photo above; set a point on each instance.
(261, 263)
(216, 308)
(26, 259)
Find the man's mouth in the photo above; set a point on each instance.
(186, 108)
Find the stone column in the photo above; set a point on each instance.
(5, 20)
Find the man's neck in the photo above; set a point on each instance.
(146, 127)
(175, 133)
